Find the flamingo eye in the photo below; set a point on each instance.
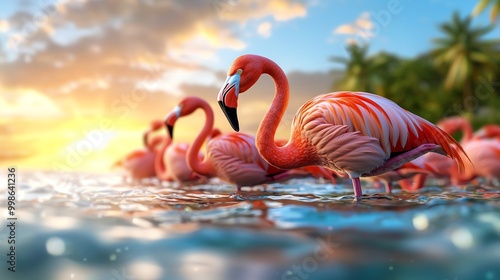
(239, 71)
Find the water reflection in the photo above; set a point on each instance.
(89, 226)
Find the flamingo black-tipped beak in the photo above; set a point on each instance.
(228, 99)
(231, 115)
(170, 129)
(145, 137)
(171, 118)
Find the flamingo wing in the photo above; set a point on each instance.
(136, 154)
(237, 160)
(175, 159)
(363, 121)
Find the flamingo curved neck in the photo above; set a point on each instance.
(467, 131)
(158, 141)
(201, 167)
(277, 156)
(160, 168)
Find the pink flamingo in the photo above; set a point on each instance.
(401, 174)
(483, 148)
(444, 167)
(484, 162)
(139, 164)
(357, 133)
(457, 123)
(440, 166)
(473, 144)
(170, 158)
(488, 131)
(232, 157)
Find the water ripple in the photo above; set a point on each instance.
(105, 226)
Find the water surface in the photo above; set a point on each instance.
(99, 226)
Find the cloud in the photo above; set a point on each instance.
(264, 29)
(111, 37)
(361, 29)
(244, 10)
(4, 25)
(28, 104)
(127, 62)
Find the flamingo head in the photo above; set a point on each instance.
(187, 106)
(242, 75)
(488, 131)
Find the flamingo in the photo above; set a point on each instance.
(170, 159)
(357, 133)
(485, 165)
(482, 146)
(488, 131)
(408, 170)
(443, 167)
(232, 157)
(484, 162)
(455, 124)
(440, 166)
(458, 123)
(139, 164)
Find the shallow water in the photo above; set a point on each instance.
(97, 226)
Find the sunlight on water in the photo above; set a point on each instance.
(99, 226)
(420, 222)
(55, 246)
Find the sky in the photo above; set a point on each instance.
(80, 80)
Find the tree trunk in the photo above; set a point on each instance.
(468, 101)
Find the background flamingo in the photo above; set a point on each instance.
(170, 158)
(140, 164)
(232, 157)
(360, 134)
(484, 155)
(407, 170)
(483, 148)
(457, 124)
(439, 166)
(443, 167)
(488, 131)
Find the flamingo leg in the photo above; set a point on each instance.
(419, 181)
(356, 184)
(388, 187)
(403, 158)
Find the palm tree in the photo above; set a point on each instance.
(417, 85)
(483, 4)
(465, 54)
(366, 73)
(358, 74)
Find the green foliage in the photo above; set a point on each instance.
(483, 4)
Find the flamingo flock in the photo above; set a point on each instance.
(355, 135)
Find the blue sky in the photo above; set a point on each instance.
(305, 43)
